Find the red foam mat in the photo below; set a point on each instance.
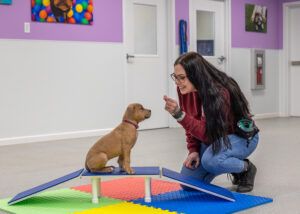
(130, 188)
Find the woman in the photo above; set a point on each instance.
(210, 105)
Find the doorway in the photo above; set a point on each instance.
(207, 29)
(291, 60)
(145, 40)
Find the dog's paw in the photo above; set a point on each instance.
(111, 168)
(130, 171)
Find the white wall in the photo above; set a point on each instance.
(263, 103)
(53, 89)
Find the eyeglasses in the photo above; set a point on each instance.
(179, 78)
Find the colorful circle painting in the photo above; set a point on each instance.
(63, 11)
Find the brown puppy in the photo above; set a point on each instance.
(118, 142)
(60, 8)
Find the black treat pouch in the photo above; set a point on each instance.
(246, 129)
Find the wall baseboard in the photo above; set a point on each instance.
(56, 136)
(266, 115)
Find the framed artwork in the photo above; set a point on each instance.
(62, 11)
(256, 18)
(5, 1)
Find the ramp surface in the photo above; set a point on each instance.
(153, 170)
(199, 185)
(29, 193)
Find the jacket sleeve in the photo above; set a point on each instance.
(193, 144)
(195, 128)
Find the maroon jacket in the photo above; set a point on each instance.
(194, 121)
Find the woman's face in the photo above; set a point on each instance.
(181, 80)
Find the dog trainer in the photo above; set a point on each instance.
(215, 115)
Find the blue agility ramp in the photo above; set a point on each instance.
(199, 185)
(31, 192)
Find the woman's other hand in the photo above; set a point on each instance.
(192, 161)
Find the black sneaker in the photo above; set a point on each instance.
(246, 181)
(236, 178)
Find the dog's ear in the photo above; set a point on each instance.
(129, 112)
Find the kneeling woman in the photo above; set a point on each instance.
(210, 106)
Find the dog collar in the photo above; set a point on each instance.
(135, 125)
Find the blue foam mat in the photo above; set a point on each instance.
(29, 193)
(191, 202)
(151, 170)
(201, 186)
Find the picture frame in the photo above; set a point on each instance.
(64, 11)
(256, 17)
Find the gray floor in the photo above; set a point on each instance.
(277, 159)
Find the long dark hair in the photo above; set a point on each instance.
(209, 81)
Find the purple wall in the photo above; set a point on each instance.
(107, 26)
(280, 21)
(181, 12)
(241, 38)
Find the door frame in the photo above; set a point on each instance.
(173, 50)
(167, 49)
(227, 38)
(227, 35)
(284, 72)
(171, 56)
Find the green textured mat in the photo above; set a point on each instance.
(56, 202)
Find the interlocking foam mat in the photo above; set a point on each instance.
(199, 202)
(56, 202)
(125, 208)
(126, 196)
(128, 189)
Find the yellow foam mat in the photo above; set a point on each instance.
(124, 208)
